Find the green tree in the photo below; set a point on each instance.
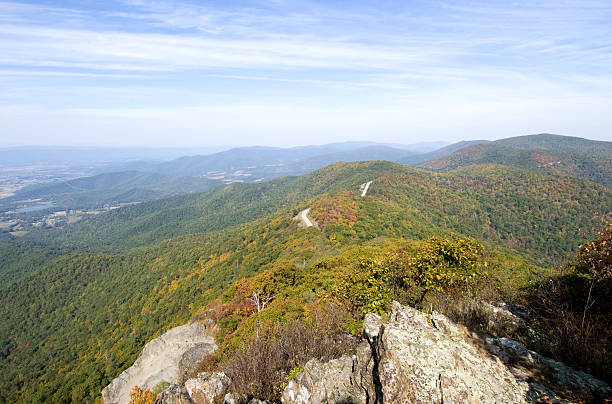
(442, 264)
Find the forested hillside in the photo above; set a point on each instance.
(493, 202)
(553, 154)
(80, 302)
(560, 143)
(125, 186)
(441, 152)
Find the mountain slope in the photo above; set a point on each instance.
(444, 151)
(240, 203)
(558, 143)
(125, 186)
(72, 323)
(204, 213)
(559, 155)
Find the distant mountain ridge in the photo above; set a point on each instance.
(142, 181)
(269, 162)
(123, 186)
(561, 155)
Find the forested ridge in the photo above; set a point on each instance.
(114, 187)
(560, 155)
(81, 302)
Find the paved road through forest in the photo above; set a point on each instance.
(304, 218)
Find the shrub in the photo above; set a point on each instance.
(573, 309)
(261, 367)
(365, 288)
(208, 363)
(595, 256)
(442, 264)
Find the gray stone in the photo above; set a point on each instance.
(173, 394)
(524, 363)
(345, 380)
(207, 387)
(191, 358)
(419, 358)
(229, 399)
(159, 362)
(371, 326)
(424, 359)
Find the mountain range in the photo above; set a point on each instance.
(81, 301)
(556, 154)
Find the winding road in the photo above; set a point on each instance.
(365, 188)
(304, 218)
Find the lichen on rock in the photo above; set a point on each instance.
(426, 358)
(160, 361)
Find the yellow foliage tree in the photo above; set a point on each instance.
(138, 396)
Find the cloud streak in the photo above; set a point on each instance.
(144, 55)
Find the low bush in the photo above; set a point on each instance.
(260, 367)
(574, 312)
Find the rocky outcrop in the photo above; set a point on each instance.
(420, 358)
(426, 359)
(164, 359)
(174, 394)
(209, 394)
(207, 387)
(345, 380)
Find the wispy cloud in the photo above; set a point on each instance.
(142, 54)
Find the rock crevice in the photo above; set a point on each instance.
(426, 358)
(372, 336)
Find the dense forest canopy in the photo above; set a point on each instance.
(80, 302)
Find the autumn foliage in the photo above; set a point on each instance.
(595, 256)
(138, 396)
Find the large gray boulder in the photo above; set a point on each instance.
(420, 358)
(173, 394)
(427, 359)
(207, 388)
(345, 380)
(159, 362)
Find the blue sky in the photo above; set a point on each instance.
(161, 73)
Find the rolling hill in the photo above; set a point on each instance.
(142, 181)
(125, 186)
(554, 154)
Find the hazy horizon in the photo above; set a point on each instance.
(180, 74)
(215, 149)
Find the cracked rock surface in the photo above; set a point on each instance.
(345, 380)
(421, 358)
(161, 360)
